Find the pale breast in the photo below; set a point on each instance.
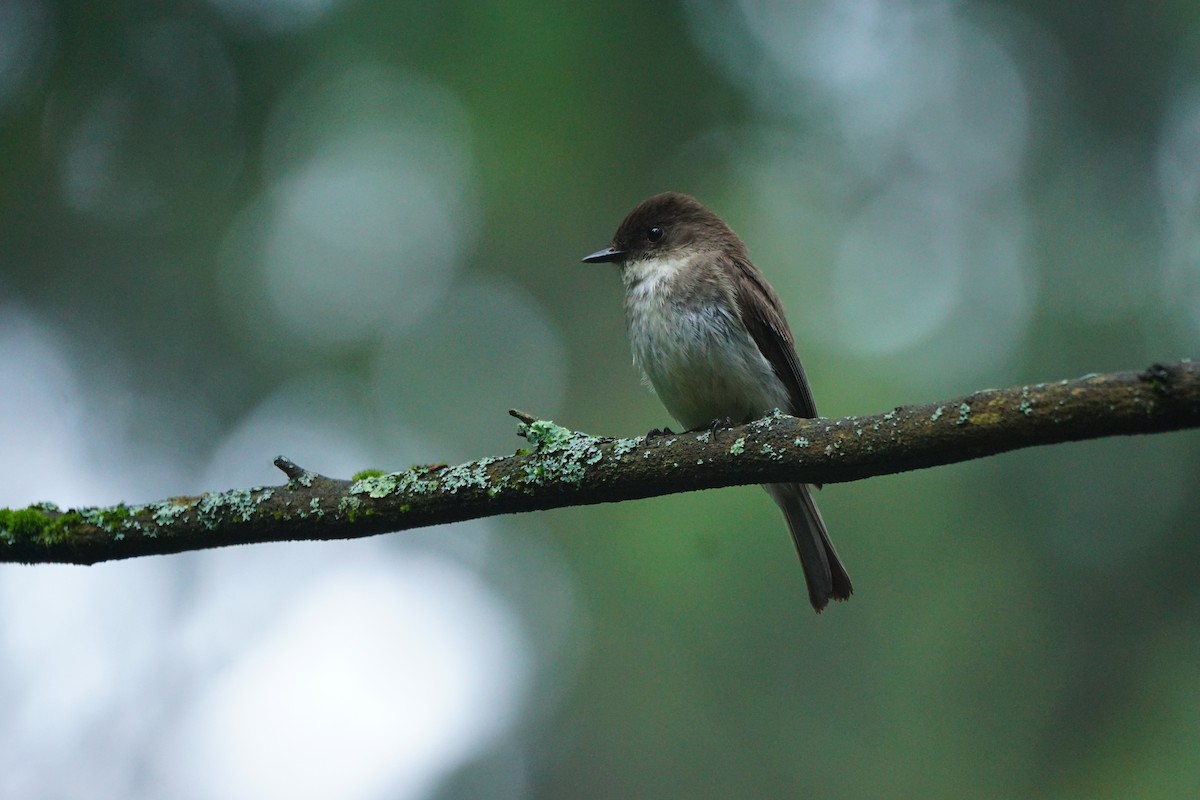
(691, 347)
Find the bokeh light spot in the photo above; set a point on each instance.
(370, 208)
(379, 679)
(274, 16)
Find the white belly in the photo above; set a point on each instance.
(700, 360)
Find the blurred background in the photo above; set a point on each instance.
(348, 231)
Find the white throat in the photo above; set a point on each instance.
(653, 275)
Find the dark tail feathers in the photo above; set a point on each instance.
(823, 570)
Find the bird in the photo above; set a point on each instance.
(709, 335)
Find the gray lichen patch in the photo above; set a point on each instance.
(168, 511)
(544, 433)
(350, 508)
(498, 486)
(623, 446)
(765, 423)
(376, 485)
(472, 475)
(233, 505)
(113, 519)
(211, 510)
(1026, 405)
(560, 455)
(414, 480)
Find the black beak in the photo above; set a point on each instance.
(609, 255)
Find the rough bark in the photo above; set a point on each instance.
(566, 468)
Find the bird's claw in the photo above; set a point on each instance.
(716, 426)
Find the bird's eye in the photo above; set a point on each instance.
(654, 233)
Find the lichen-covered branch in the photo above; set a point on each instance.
(566, 468)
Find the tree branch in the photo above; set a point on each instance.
(566, 468)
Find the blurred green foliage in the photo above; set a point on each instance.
(1023, 626)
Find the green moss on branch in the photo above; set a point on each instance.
(565, 468)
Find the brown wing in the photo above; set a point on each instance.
(762, 314)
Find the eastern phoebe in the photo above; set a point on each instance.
(709, 335)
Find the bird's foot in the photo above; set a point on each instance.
(656, 432)
(715, 427)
